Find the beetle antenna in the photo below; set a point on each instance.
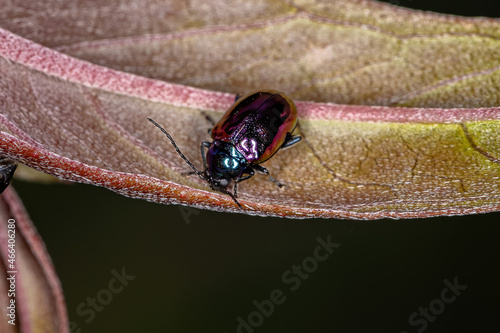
(201, 175)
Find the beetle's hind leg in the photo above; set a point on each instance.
(263, 170)
(291, 140)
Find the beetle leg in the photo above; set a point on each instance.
(237, 97)
(250, 172)
(263, 170)
(208, 118)
(204, 144)
(290, 140)
(233, 196)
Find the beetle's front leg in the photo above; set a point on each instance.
(250, 172)
(204, 144)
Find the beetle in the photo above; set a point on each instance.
(251, 131)
(7, 169)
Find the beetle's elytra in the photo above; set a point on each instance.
(254, 128)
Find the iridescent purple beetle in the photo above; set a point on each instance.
(249, 133)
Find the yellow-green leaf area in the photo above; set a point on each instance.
(341, 58)
(413, 164)
(396, 20)
(485, 136)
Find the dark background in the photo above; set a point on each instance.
(198, 271)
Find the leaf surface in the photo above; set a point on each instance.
(347, 52)
(39, 302)
(85, 122)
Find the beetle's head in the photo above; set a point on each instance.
(224, 163)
